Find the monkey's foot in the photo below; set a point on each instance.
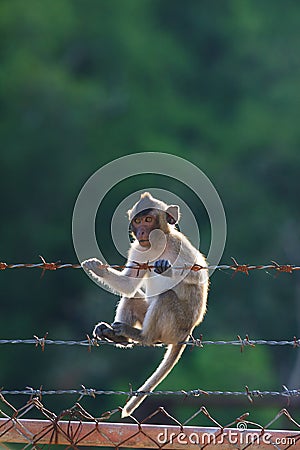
(105, 331)
(123, 329)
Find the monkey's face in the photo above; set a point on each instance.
(142, 225)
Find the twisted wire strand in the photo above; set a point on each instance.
(90, 392)
(194, 342)
(235, 267)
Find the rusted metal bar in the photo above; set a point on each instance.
(76, 433)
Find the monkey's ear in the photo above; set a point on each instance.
(173, 214)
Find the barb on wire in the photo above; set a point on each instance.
(41, 341)
(235, 267)
(245, 342)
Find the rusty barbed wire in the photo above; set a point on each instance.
(250, 394)
(193, 342)
(235, 267)
(76, 427)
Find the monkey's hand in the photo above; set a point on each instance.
(94, 266)
(161, 266)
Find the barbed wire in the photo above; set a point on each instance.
(193, 342)
(76, 427)
(235, 267)
(91, 392)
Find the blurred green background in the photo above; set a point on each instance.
(85, 82)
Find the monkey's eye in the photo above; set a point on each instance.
(149, 219)
(137, 220)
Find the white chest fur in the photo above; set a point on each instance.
(178, 251)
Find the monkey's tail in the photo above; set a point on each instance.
(172, 355)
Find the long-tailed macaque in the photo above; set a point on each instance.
(158, 306)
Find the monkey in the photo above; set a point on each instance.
(162, 305)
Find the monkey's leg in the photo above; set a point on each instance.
(130, 316)
(127, 332)
(130, 312)
(168, 320)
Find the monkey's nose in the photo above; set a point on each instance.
(140, 234)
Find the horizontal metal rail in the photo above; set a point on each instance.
(117, 435)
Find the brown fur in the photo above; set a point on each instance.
(173, 302)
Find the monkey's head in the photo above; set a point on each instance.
(150, 214)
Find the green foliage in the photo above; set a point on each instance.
(82, 83)
(205, 368)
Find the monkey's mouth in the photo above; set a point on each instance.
(144, 242)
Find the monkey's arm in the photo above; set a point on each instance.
(126, 282)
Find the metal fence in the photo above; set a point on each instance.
(34, 426)
(75, 428)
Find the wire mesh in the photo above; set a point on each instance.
(75, 428)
